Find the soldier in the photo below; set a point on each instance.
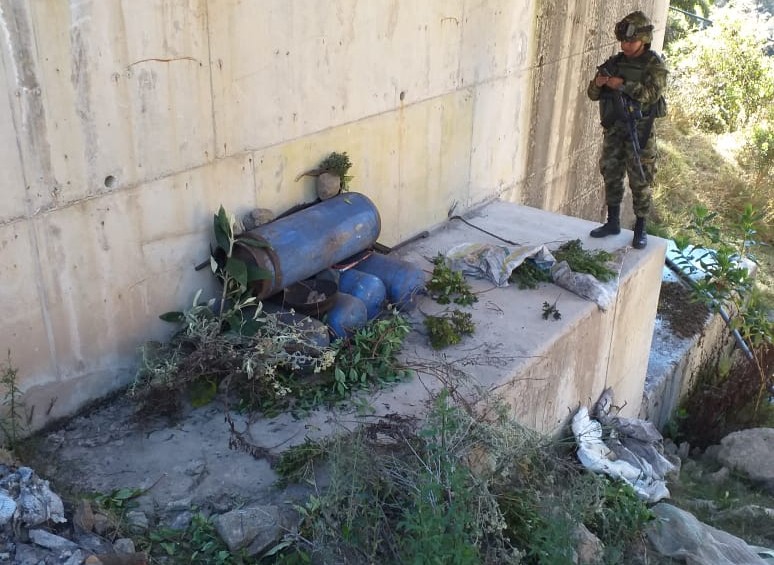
(634, 79)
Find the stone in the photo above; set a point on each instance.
(257, 217)
(719, 477)
(589, 548)
(750, 452)
(51, 541)
(92, 543)
(137, 521)
(254, 528)
(83, 517)
(328, 185)
(124, 546)
(103, 523)
(678, 534)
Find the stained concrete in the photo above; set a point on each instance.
(542, 368)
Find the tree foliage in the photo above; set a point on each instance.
(721, 79)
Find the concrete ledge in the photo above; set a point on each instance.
(542, 369)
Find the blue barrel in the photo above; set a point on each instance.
(310, 240)
(402, 279)
(368, 288)
(346, 315)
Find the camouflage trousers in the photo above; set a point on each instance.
(618, 159)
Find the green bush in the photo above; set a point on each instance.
(757, 155)
(721, 78)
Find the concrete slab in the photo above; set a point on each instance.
(542, 369)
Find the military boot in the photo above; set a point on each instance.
(613, 225)
(640, 239)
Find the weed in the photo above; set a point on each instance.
(448, 329)
(447, 286)
(12, 422)
(297, 463)
(529, 275)
(198, 544)
(722, 281)
(339, 165)
(118, 500)
(583, 260)
(369, 356)
(550, 311)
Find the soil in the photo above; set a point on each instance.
(686, 318)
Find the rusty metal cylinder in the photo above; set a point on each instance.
(310, 240)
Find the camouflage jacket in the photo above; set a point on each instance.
(644, 81)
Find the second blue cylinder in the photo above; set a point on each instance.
(368, 288)
(402, 279)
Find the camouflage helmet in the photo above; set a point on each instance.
(635, 26)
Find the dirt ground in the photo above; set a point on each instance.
(179, 464)
(685, 317)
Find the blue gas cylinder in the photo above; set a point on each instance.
(347, 314)
(297, 246)
(368, 288)
(402, 280)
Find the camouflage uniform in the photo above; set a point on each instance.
(617, 151)
(644, 81)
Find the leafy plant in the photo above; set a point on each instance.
(550, 311)
(337, 164)
(529, 275)
(620, 516)
(296, 463)
(369, 355)
(583, 260)
(198, 544)
(119, 500)
(12, 422)
(448, 329)
(447, 286)
(757, 155)
(721, 280)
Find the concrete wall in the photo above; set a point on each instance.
(127, 123)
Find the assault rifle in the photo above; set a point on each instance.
(629, 111)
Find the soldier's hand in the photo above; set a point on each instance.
(614, 82)
(601, 80)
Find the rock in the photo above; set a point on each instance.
(27, 555)
(7, 507)
(51, 541)
(678, 534)
(76, 558)
(110, 559)
(92, 543)
(137, 521)
(255, 528)
(752, 453)
(589, 548)
(257, 217)
(181, 520)
(35, 502)
(103, 523)
(124, 546)
(328, 185)
(719, 477)
(83, 517)
(684, 450)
